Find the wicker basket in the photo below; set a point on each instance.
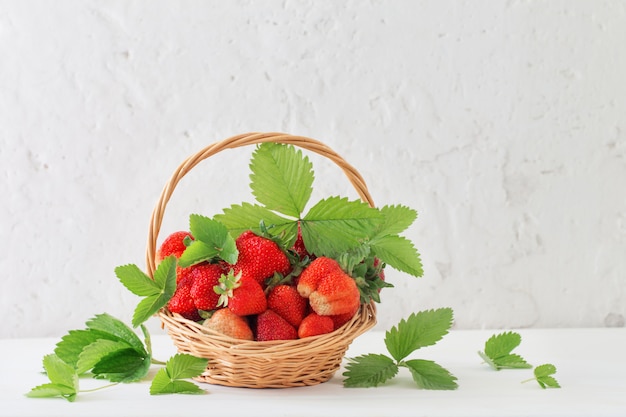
(253, 364)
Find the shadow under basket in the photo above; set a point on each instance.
(253, 364)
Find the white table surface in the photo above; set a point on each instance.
(591, 367)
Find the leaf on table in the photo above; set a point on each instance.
(430, 375)
(369, 370)
(420, 329)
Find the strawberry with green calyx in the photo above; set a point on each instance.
(230, 324)
(329, 289)
(271, 326)
(288, 303)
(314, 325)
(182, 302)
(259, 257)
(244, 296)
(205, 277)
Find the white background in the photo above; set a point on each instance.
(502, 122)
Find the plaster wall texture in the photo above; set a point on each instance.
(502, 123)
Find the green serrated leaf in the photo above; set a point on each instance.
(398, 253)
(147, 307)
(163, 384)
(502, 344)
(420, 329)
(281, 178)
(197, 252)
(211, 239)
(59, 372)
(169, 379)
(185, 366)
(246, 216)
(336, 225)
(396, 219)
(114, 327)
(511, 361)
(136, 281)
(72, 344)
(369, 370)
(53, 390)
(543, 375)
(165, 276)
(430, 375)
(94, 352)
(63, 380)
(498, 350)
(124, 365)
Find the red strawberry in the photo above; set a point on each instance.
(330, 290)
(314, 325)
(205, 277)
(285, 300)
(271, 326)
(174, 244)
(259, 258)
(226, 322)
(341, 319)
(310, 277)
(182, 302)
(243, 296)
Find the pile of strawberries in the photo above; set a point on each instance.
(270, 293)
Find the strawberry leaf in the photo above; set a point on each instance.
(397, 219)
(430, 375)
(211, 239)
(498, 350)
(94, 352)
(399, 253)
(124, 365)
(369, 370)
(136, 281)
(239, 218)
(63, 380)
(72, 344)
(336, 225)
(118, 331)
(281, 178)
(169, 379)
(418, 330)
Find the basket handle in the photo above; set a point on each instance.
(313, 145)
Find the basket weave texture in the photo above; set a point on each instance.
(253, 364)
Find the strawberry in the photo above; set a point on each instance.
(288, 303)
(226, 322)
(314, 325)
(330, 290)
(341, 319)
(205, 277)
(174, 244)
(182, 302)
(271, 326)
(259, 258)
(243, 296)
(310, 277)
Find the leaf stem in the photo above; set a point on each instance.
(99, 388)
(156, 362)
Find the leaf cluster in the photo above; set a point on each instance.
(108, 349)
(498, 355)
(420, 329)
(281, 182)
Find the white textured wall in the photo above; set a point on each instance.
(502, 122)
